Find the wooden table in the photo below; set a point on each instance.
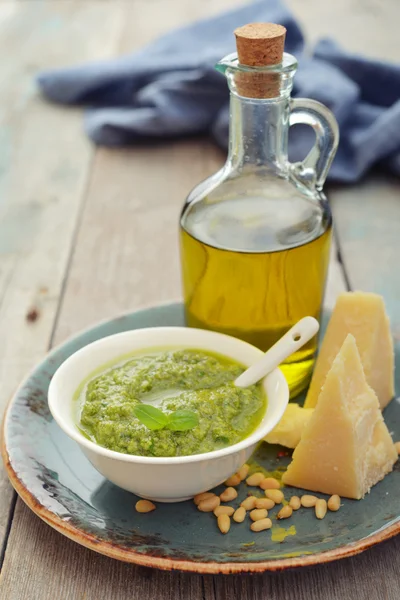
(81, 229)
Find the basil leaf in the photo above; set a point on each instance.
(153, 418)
(182, 420)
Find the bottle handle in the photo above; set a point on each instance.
(312, 171)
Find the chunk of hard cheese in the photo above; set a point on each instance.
(346, 447)
(290, 427)
(364, 316)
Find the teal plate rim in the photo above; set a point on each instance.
(27, 419)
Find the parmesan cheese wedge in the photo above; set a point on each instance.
(346, 447)
(364, 316)
(290, 428)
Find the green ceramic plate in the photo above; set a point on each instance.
(57, 482)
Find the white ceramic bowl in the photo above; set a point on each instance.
(162, 479)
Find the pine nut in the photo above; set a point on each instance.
(249, 503)
(275, 495)
(255, 479)
(258, 513)
(239, 515)
(334, 503)
(294, 502)
(209, 504)
(229, 494)
(224, 510)
(265, 503)
(144, 506)
(261, 525)
(285, 512)
(397, 446)
(233, 480)
(224, 523)
(200, 497)
(320, 508)
(243, 471)
(308, 501)
(270, 483)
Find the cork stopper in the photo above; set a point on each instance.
(259, 45)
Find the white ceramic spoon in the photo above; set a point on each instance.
(292, 341)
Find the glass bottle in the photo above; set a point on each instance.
(255, 236)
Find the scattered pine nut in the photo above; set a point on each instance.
(229, 494)
(224, 523)
(308, 501)
(261, 525)
(209, 504)
(285, 512)
(258, 513)
(397, 446)
(144, 506)
(270, 483)
(265, 503)
(320, 508)
(275, 495)
(233, 480)
(334, 503)
(294, 502)
(199, 497)
(239, 515)
(255, 479)
(224, 510)
(249, 503)
(243, 471)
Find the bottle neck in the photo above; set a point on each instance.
(258, 134)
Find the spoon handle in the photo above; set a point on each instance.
(293, 339)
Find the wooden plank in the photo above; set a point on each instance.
(135, 195)
(127, 248)
(350, 579)
(368, 225)
(50, 567)
(364, 27)
(43, 164)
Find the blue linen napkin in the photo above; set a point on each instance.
(170, 88)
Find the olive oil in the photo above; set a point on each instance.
(263, 286)
(255, 236)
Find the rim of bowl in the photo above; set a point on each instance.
(74, 433)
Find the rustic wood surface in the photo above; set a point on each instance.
(69, 214)
(44, 166)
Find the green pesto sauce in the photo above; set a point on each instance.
(176, 379)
